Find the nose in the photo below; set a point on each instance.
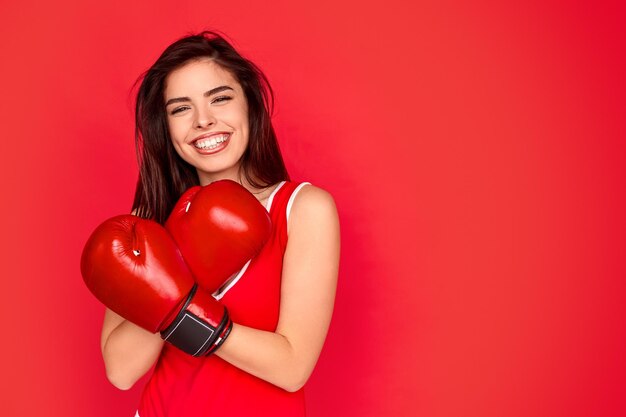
(204, 119)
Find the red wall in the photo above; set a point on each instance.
(476, 152)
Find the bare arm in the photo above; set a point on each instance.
(287, 357)
(128, 350)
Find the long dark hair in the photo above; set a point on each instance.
(163, 174)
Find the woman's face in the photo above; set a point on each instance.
(207, 116)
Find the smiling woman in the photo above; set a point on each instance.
(207, 121)
(203, 116)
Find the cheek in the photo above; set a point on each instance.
(177, 139)
(177, 130)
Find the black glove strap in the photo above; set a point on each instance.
(190, 333)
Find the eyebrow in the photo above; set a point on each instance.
(206, 94)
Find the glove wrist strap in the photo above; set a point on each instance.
(192, 334)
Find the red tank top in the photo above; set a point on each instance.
(182, 385)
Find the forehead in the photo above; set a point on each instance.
(198, 76)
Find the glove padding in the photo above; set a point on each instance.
(133, 266)
(218, 228)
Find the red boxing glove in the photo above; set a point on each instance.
(133, 267)
(218, 228)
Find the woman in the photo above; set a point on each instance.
(202, 115)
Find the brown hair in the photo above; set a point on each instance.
(163, 174)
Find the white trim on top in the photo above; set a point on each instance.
(291, 200)
(231, 282)
(271, 198)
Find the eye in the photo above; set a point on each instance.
(179, 109)
(221, 99)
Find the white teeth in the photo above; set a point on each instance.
(210, 143)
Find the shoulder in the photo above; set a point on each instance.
(313, 197)
(310, 206)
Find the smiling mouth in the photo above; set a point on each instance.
(211, 143)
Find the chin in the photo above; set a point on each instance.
(217, 173)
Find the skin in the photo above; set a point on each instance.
(286, 357)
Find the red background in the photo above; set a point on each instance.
(475, 151)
